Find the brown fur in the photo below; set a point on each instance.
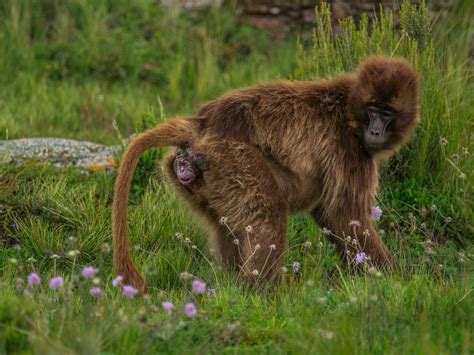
(277, 149)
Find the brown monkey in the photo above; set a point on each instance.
(281, 148)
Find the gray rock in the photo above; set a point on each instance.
(59, 152)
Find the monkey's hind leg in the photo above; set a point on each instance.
(220, 234)
(243, 195)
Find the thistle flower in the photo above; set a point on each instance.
(34, 279)
(199, 287)
(129, 291)
(190, 310)
(443, 141)
(235, 241)
(72, 253)
(355, 223)
(307, 244)
(360, 258)
(56, 282)
(325, 231)
(117, 281)
(376, 213)
(89, 272)
(185, 275)
(249, 229)
(211, 292)
(105, 248)
(95, 292)
(168, 306)
(296, 267)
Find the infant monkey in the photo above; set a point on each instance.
(189, 167)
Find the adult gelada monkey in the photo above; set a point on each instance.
(276, 149)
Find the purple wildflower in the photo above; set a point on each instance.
(116, 282)
(296, 267)
(34, 279)
(89, 272)
(56, 282)
(190, 310)
(95, 292)
(168, 306)
(129, 291)
(199, 287)
(360, 258)
(376, 213)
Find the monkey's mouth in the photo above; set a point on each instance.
(373, 143)
(186, 181)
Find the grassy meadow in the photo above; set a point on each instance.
(103, 70)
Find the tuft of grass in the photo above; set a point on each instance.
(76, 67)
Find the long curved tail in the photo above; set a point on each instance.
(172, 133)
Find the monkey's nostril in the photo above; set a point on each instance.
(375, 133)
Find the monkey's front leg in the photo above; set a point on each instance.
(354, 236)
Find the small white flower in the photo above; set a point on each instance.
(185, 275)
(355, 223)
(255, 272)
(272, 247)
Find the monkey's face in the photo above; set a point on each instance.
(377, 128)
(384, 104)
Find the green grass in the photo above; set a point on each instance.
(104, 69)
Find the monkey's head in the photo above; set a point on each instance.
(384, 103)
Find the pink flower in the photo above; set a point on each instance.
(95, 292)
(168, 306)
(190, 310)
(376, 213)
(296, 267)
(89, 272)
(56, 282)
(34, 279)
(360, 258)
(199, 287)
(116, 282)
(129, 291)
